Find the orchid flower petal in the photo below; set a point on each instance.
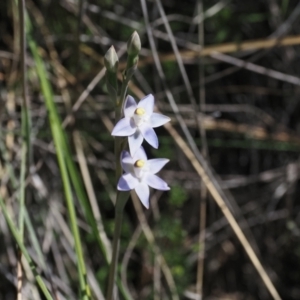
(149, 135)
(126, 161)
(135, 141)
(156, 182)
(139, 154)
(157, 120)
(147, 103)
(127, 182)
(129, 107)
(156, 164)
(124, 127)
(143, 192)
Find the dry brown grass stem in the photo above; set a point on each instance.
(229, 48)
(91, 192)
(151, 240)
(224, 208)
(253, 132)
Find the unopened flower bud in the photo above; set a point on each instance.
(134, 44)
(111, 60)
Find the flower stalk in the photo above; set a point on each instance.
(120, 204)
(137, 124)
(111, 63)
(133, 49)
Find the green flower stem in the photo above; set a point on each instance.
(133, 49)
(120, 101)
(119, 140)
(122, 198)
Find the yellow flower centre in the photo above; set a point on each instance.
(139, 163)
(140, 111)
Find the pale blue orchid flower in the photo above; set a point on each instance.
(138, 123)
(140, 174)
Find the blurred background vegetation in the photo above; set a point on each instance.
(240, 103)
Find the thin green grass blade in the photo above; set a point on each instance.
(58, 138)
(28, 223)
(25, 121)
(34, 240)
(22, 190)
(18, 239)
